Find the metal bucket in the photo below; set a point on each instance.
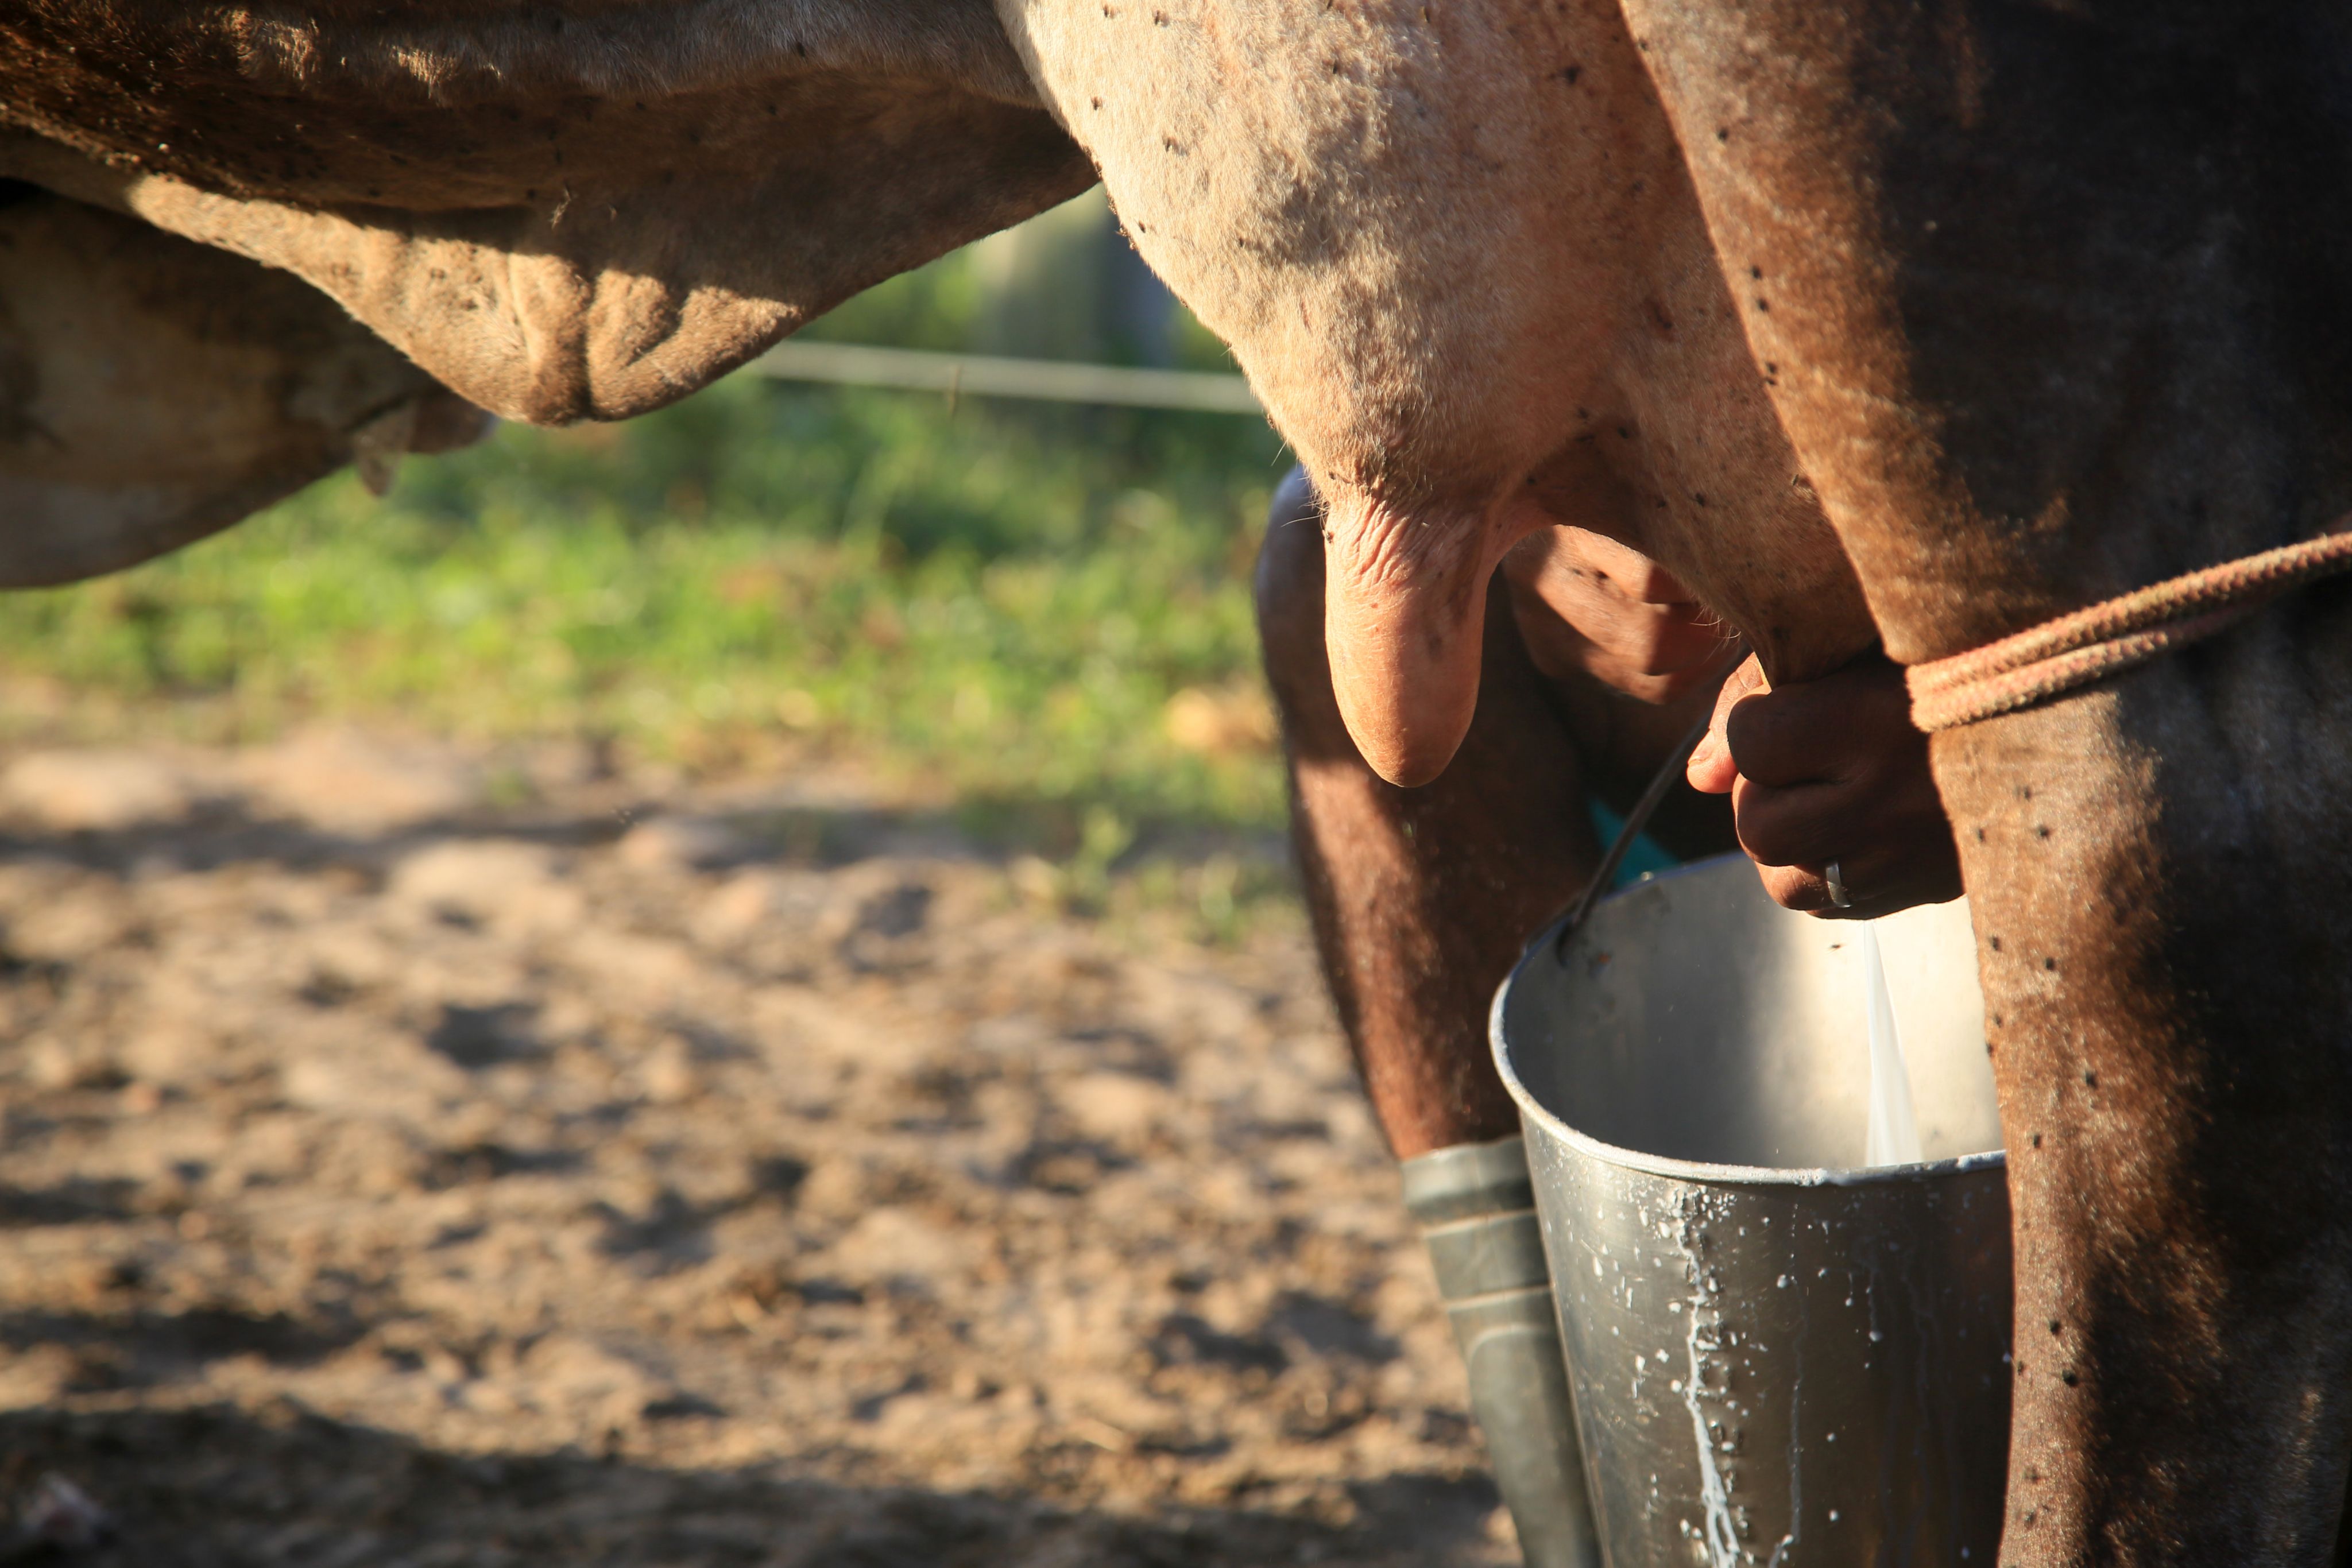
(1777, 1359)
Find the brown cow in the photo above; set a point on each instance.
(555, 212)
(1870, 319)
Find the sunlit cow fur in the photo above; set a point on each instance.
(1872, 320)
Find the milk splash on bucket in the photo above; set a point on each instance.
(1893, 1138)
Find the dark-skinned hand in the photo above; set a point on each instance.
(1831, 770)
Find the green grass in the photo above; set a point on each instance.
(1000, 598)
(997, 599)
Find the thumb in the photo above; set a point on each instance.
(1712, 769)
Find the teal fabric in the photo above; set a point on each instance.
(1647, 854)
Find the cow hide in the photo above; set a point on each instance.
(559, 212)
(153, 391)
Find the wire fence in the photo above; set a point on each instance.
(984, 375)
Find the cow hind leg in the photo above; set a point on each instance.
(1421, 899)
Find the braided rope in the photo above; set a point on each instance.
(2058, 656)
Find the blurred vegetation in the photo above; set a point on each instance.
(1032, 606)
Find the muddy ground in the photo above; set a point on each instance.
(424, 1156)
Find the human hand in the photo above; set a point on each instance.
(1830, 771)
(1584, 603)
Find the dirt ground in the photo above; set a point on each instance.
(423, 1157)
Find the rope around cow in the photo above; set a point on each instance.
(2028, 667)
(2099, 640)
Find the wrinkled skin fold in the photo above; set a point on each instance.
(1870, 321)
(549, 211)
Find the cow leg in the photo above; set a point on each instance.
(2163, 941)
(2050, 302)
(1420, 900)
(2342, 1556)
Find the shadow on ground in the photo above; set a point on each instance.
(396, 1171)
(222, 1488)
(211, 823)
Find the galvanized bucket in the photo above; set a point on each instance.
(1777, 1358)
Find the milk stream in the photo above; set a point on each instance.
(1894, 1135)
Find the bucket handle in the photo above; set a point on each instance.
(1566, 925)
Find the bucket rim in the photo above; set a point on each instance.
(1696, 1172)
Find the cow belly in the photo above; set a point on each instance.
(153, 392)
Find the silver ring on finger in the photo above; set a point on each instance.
(1838, 893)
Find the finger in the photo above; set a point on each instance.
(1888, 811)
(1847, 722)
(1711, 769)
(1806, 890)
(1801, 824)
(1797, 888)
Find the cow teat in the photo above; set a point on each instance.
(1404, 618)
(1446, 267)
